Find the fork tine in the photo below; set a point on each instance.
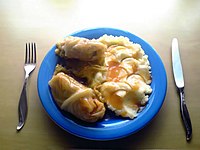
(31, 61)
(26, 53)
(34, 53)
(29, 54)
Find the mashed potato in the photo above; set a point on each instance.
(126, 88)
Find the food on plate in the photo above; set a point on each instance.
(75, 98)
(126, 97)
(81, 48)
(115, 70)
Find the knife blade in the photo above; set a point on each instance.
(179, 81)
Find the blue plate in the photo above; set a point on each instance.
(110, 127)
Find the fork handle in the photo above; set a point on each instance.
(22, 106)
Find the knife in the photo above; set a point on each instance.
(179, 81)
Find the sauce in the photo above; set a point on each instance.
(115, 71)
(115, 101)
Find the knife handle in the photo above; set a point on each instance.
(185, 115)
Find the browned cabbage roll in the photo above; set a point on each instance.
(81, 48)
(75, 98)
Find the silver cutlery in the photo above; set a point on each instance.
(179, 81)
(29, 66)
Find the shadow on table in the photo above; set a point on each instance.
(67, 140)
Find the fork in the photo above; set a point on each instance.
(29, 66)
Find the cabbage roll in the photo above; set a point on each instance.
(75, 98)
(81, 48)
